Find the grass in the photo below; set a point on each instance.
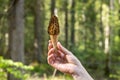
(45, 77)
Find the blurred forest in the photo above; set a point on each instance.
(88, 28)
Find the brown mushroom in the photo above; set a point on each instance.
(53, 30)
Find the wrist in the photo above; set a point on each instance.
(81, 74)
(82, 77)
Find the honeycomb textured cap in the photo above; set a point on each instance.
(53, 28)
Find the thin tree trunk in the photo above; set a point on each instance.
(119, 19)
(108, 42)
(106, 50)
(119, 9)
(101, 27)
(66, 23)
(16, 32)
(39, 29)
(85, 39)
(92, 27)
(53, 6)
(108, 58)
(72, 23)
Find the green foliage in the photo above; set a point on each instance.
(90, 17)
(18, 69)
(43, 68)
(116, 75)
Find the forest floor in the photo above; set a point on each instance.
(42, 78)
(60, 77)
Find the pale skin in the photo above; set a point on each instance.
(64, 61)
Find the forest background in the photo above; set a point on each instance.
(88, 28)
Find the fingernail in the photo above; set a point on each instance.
(59, 44)
(49, 41)
(49, 44)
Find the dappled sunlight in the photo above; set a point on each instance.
(60, 77)
(90, 29)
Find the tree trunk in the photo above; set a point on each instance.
(52, 6)
(108, 41)
(106, 50)
(66, 22)
(16, 32)
(92, 19)
(39, 29)
(119, 8)
(72, 24)
(101, 27)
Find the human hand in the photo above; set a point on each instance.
(64, 61)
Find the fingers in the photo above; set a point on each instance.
(58, 53)
(51, 59)
(51, 51)
(64, 50)
(62, 55)
(51, 56)
(60, 47)
(50, 45)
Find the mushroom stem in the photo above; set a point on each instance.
(54, 39)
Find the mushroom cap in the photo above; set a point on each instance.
(53, 28)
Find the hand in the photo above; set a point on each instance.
(64, 61)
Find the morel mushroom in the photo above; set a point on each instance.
(53, 30)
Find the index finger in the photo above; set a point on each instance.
(50, 46)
